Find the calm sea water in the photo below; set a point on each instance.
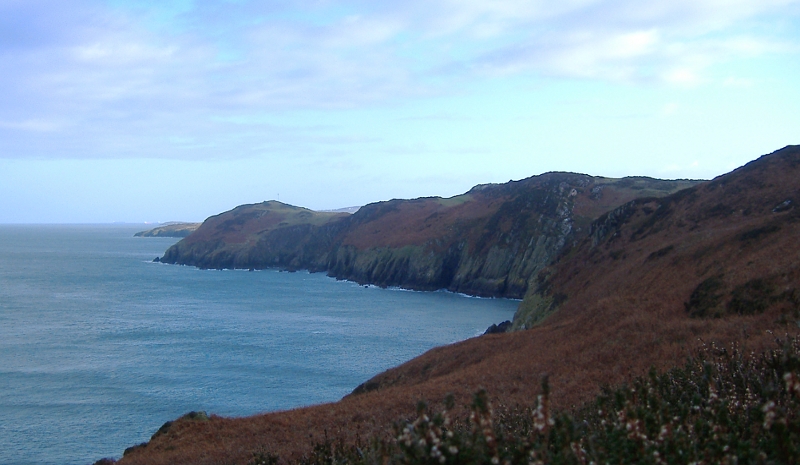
(99, 346)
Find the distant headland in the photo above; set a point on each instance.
(171, 229)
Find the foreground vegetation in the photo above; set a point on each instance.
(723, 406)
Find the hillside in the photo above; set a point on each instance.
(650, 281)
(489, 241)
(719, 261)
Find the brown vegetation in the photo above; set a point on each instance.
(630, 296)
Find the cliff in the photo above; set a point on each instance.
(723, 247)
(486, 242)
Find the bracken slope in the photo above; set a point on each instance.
(651, 279)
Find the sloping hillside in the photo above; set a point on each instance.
(487, 242)
(719, 261)
(655, 277)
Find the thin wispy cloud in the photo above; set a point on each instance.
(94, 68)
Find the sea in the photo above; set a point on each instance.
(99, 345)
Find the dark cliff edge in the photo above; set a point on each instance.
(487, 242)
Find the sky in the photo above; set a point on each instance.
(176, 110)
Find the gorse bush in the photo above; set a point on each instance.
(723, 406)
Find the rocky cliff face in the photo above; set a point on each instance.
(724, 247)
(489, 241)
(486, 243)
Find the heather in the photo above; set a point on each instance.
(717, 262)
(723, 406)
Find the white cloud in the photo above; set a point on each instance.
(115, 52)
(601, 55)
(360, 31)
(35, 125)
(120, 79)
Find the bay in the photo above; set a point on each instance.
(99, 346)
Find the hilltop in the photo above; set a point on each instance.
(650, 279)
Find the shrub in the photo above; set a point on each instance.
(723, 406)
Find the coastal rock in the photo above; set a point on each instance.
(133, 449)
(191, 416)
(105, 461)
(497, 329)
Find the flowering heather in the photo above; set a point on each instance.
(723, 406)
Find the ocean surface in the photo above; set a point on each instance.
(99, 346)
